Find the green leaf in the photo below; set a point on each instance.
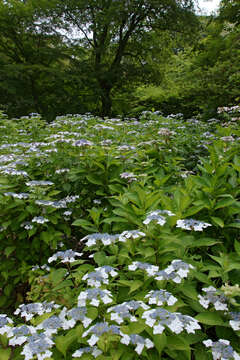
(92, 313)
(237, 247)
(135, 285)
(160, 341)
(85, 224)
(204, 242)
(177, 342)
(94, 179)
(137, 327)
(189, 291)
(210, 318)
(234, 225)
(217, 221)
(102, 259)
(9, 250)
(5, 354)
(80, 222)
(224, 203)
(194, 210)
(64, 342)
(57, 276)
(112, 219)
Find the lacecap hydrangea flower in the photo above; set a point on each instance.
(176, 271)
(137, 340)
(93, 350)
(28, 311)
(94, 297)
(124, 311)
(5, 321)
(221, 349)
(150, 269)
(67, 256)
(191, 224)
(219, 301)
(38, 345)
(160, 297)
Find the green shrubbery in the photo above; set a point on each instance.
(150, 210)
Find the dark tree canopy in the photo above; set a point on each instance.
(113, 31)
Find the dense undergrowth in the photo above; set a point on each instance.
(120, 239)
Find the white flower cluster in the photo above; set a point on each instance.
(124, 311)
(157, 216)
(4, 324)
(38, 345)
(227, 138)
(99, 276)
(42, 267)
(130, 234)
(230, 110)
(160, 297)
(221, 349)
(70, 317)
(59, 204)
(166, 132)
(212, 297)
(149, 268)
(191, 224)
(176, 271)
(104, 238)
(62, 171)
(99, 329)
(130, 176)
(14, 172)
(29, 310)
(93, 350)
(108, 239)
(67, 256)
(17, 196)
(39, 183)
(82, 143)
(55, 204)
(159, 318)
(27, 225)
(40, 220)
(137, 340)
(19, 334)
(51, 325)
(94, 297)
(235, 320)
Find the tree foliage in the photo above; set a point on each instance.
(116, 37)
(113, 57)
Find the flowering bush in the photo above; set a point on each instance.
(119, 240)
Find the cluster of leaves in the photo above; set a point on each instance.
(144, 280)
(204, 75)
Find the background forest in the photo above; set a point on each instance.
(117, 57)
(119, 236)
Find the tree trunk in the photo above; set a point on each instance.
(106, 108)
